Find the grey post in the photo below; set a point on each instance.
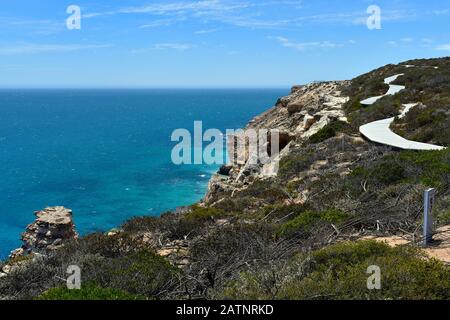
(428, 216)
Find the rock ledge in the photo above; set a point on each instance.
(52, 228)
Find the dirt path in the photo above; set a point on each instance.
(440, 249)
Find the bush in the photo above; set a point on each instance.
(388, 106)
(103, 245)
(276, 212)
(431, 168)
(142, 224)
(89, 292)
(389, 172)
(327, 132)
(142, 273)
(307, 220)
(269, 191)
(224, 252)
(175, 226)
(236, 204)
(200, 214)
(293, 164)
(444, 217)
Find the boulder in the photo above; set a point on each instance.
(295, 107)
(225, 170)
(308, 121)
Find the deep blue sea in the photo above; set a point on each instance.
(106, 154)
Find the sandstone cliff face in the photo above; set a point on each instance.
(298, 116)
(51, 229)
(306, 110)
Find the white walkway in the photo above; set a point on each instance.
(393, 89)
(380, 132)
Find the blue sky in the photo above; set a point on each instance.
(211, 43)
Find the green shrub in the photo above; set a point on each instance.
(224, 252)
(389, 172)
(386, 107)
(175, 226)
(293, 186)
(340, 272)
(138, 224)
(104, 245)
(236, 204)
(444, 217)
(142, 273)
(280, 212)
(307, 220)
(293, 164)
(327, 132)
(201, 214)
(269, 190)
(89, 292)
(431, 168)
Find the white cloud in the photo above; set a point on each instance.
(360, 18)
(161, 23)
(237, 13)
(29, 48)
(176, 8)
(40, 27)
(179, 7)
(206, 31)
(301, 46)
(408, 41)
(248, 14)
(166, 46)
(444, 47)
(174, 46)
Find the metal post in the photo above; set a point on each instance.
(428, 216)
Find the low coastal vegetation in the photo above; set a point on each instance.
(87, 292)
(329, 131)
(305, 222)
(298, 235)
(340, 272)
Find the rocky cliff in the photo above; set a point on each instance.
(319, 131)
(298, 116)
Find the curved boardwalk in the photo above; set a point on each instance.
(380, 132)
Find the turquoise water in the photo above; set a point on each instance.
(106, 154)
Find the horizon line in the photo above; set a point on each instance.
(149, 88)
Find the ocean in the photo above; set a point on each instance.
(106, 154)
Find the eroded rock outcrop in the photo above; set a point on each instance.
(52, 228)
(296, 117)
